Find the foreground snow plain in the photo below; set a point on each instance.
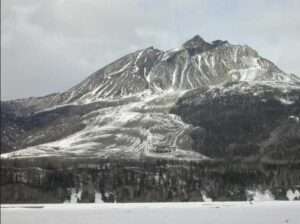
(272, 212)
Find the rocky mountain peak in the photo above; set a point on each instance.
(219, 42)
(196, 42)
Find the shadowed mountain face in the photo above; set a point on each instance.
(201, 101)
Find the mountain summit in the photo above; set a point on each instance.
(196, 42)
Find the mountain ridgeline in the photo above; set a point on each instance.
(202, 103)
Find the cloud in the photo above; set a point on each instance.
(49, 46)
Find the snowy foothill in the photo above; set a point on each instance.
(149, 213)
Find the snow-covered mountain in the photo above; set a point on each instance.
(201, 101)
(205, 120)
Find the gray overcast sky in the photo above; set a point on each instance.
(50, 45)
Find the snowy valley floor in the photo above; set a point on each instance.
(272, 212)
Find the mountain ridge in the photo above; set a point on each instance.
(163, 56)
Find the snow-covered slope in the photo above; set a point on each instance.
(186, 69)
(137, 129)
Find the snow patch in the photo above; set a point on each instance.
(295, 118)
(205, 198)
(286, 101)
(98, 197)
(293, 195)
(258, 195)
(75, 196)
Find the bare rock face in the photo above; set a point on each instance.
(197, 45)
(201, 102)
(234, 124)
